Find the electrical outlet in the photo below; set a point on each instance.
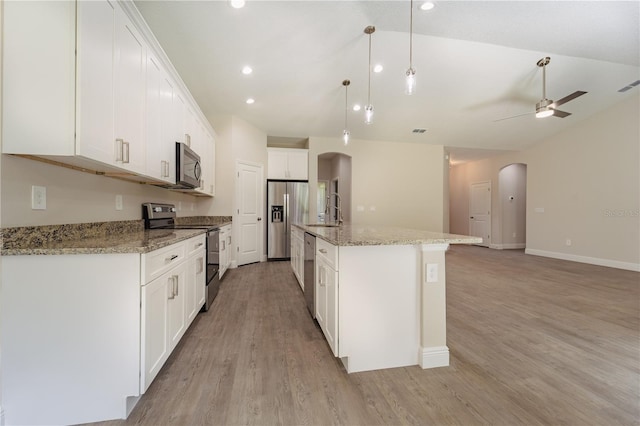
(38, 197)
(118, 202)
(432, 272)
(568, 242)
(372, 208)
(179, 205)
(360, 208)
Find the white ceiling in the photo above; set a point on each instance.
(475, 61)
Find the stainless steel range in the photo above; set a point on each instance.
(162, 216)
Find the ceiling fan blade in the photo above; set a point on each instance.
(513, 116)
(568, 98)
(560, 114)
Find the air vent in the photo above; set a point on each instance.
(630, 86)
(419, 130)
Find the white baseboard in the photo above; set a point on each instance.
(432, 357)
(508, 246)
(585, 259)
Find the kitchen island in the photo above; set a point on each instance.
(380, 294)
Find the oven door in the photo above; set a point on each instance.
(188, 168)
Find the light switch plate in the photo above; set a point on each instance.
(118, 202)
(38, 197)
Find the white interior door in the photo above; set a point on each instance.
(248, 220)
(480, 211)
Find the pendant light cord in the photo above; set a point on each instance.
(411, 37)
(369, 87)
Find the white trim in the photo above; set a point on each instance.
(586, 259)
(508, 246)
(432, 357)
(435, 247)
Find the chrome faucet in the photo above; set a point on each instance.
(338, 206)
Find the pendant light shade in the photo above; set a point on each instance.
(410, 79)
(345, 133)
(368, 109)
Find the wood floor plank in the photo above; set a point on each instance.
(533, 341)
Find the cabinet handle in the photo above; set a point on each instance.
(229, 240)
(171, 289)
(172, 258)
(322, 276)
(119, 145)
(199, 245)
(200, 265)
(175, 284)
(323, 251)
(125, 146)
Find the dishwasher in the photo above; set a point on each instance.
(310, 272)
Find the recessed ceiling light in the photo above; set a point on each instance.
(250, 101)
(378, 68)
(356, 107)
(247, 70)
(428, 5)
(237, 4)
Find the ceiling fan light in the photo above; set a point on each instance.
(544, 108)
(544, 112)
(410, 82)
(428, 5)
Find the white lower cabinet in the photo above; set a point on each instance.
(170, 302)
(225, 249)
(297, 255)
(326, 291)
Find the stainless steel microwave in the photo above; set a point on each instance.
(188, 169)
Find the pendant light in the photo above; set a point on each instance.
(410, 82)
(368, 110)
(345, 132)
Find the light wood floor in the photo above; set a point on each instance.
(533, 341)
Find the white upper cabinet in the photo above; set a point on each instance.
(160, 130)
(117, 107)
(129, 94)
(94, 125)
(288, 164)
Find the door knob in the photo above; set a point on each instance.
(259, 219)
(471, 217)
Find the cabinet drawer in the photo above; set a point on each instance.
(194, 244)
(328, 251)
(159, 261)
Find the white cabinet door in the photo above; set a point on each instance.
(331, 315)
(225, 249)
(277, 164)
(129, 95)
(95, 81)
(194, 293)
(160, 146)
(155, 334)
(327, 292)
(297, 164)
(177, 309)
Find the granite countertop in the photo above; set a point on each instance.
(98, 237)
(366, 235)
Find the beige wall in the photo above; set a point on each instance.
(77, 197)
(586, 179)
(512, 193)
(403, 182)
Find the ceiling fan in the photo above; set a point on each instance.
(547, 107)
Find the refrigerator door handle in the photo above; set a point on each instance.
(288, 213)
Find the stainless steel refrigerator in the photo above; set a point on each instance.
(287, 203)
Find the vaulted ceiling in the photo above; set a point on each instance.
(475, 62)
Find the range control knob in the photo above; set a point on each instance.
(173, 209)
(157, 209)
